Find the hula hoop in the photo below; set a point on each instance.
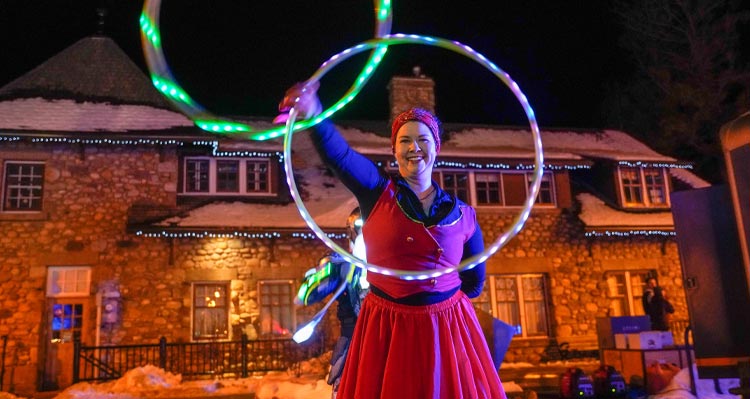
(162, 78)
(462, 49)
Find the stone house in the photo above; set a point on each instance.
(121, 222)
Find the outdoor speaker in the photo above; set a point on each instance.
(715, 283)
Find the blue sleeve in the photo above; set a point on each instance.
(472, 280)
(359, 174)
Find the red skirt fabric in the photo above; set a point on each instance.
(419, 352)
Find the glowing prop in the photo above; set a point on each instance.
(457, 47)
(162, 78)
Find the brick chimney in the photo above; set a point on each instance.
(411, 91)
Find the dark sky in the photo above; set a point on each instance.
(236, 57)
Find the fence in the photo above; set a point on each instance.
(192, 360)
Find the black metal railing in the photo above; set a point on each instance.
(192, 360)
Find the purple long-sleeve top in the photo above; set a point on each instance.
(367, 182)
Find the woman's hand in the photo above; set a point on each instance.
(304, 99)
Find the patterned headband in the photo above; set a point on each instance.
(417, 115)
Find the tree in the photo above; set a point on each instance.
(689, 76)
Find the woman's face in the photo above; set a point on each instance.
(415, 150)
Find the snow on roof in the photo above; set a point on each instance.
(326, 199)
(518, 143)
(597, 215)
(689, 178)
(330, 203)
(38, 114)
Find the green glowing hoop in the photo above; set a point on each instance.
(162, 78)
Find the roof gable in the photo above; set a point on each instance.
(94, 69)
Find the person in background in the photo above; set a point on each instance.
(656, 305)
(414, 339)
(323, 280)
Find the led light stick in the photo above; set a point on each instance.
(162, 78)
(304, 333)
(457, 47)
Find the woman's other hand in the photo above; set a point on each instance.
(304, 99)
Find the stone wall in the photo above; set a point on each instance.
(89, 191)
(553, 242)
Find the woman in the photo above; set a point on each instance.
(413, 339)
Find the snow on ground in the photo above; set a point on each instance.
(154, 383)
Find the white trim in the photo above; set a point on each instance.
(241, 176)
(60, 286)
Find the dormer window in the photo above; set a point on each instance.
(495, 189)
(227, 176)
(644, 187)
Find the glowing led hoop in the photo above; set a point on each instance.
(457, 47)
(162, 78)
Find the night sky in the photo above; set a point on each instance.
(236, 57)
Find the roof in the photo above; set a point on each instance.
(558, 144)
(330, 203)
(90, 87)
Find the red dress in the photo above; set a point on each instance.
(433, 351)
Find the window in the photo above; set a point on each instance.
(196, 175)
(511, 189)
(519, 300)
(210, 310)
(257, 176)
(23, 186)
(227, 176)
(625, 290)
(276, 308)
(456, 183)
(643, 187)
(546, 194)
(487, 187)
(209, 176)
(66, 322)
(68, 281)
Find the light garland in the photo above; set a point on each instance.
(462, 49)
(165, 83)
(644, 164)
(609, 233)
(236, 234)
(69, 140)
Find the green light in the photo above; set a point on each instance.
(149, 30)
(222, 126)
(170, 89)
(151, 39)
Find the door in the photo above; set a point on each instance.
(65, 324)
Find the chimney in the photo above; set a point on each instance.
(411, 91)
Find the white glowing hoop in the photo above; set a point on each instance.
(462, 49)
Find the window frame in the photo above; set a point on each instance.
(213, 175)
(6, 187)
(288, 309)
(439, 176)
(642, 187)
(490, 293)
(634, 304)
(63, 272)
(194, 310)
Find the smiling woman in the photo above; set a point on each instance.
(414, 338)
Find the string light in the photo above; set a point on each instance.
(235, 234)
(644, 164)
(630, 233)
